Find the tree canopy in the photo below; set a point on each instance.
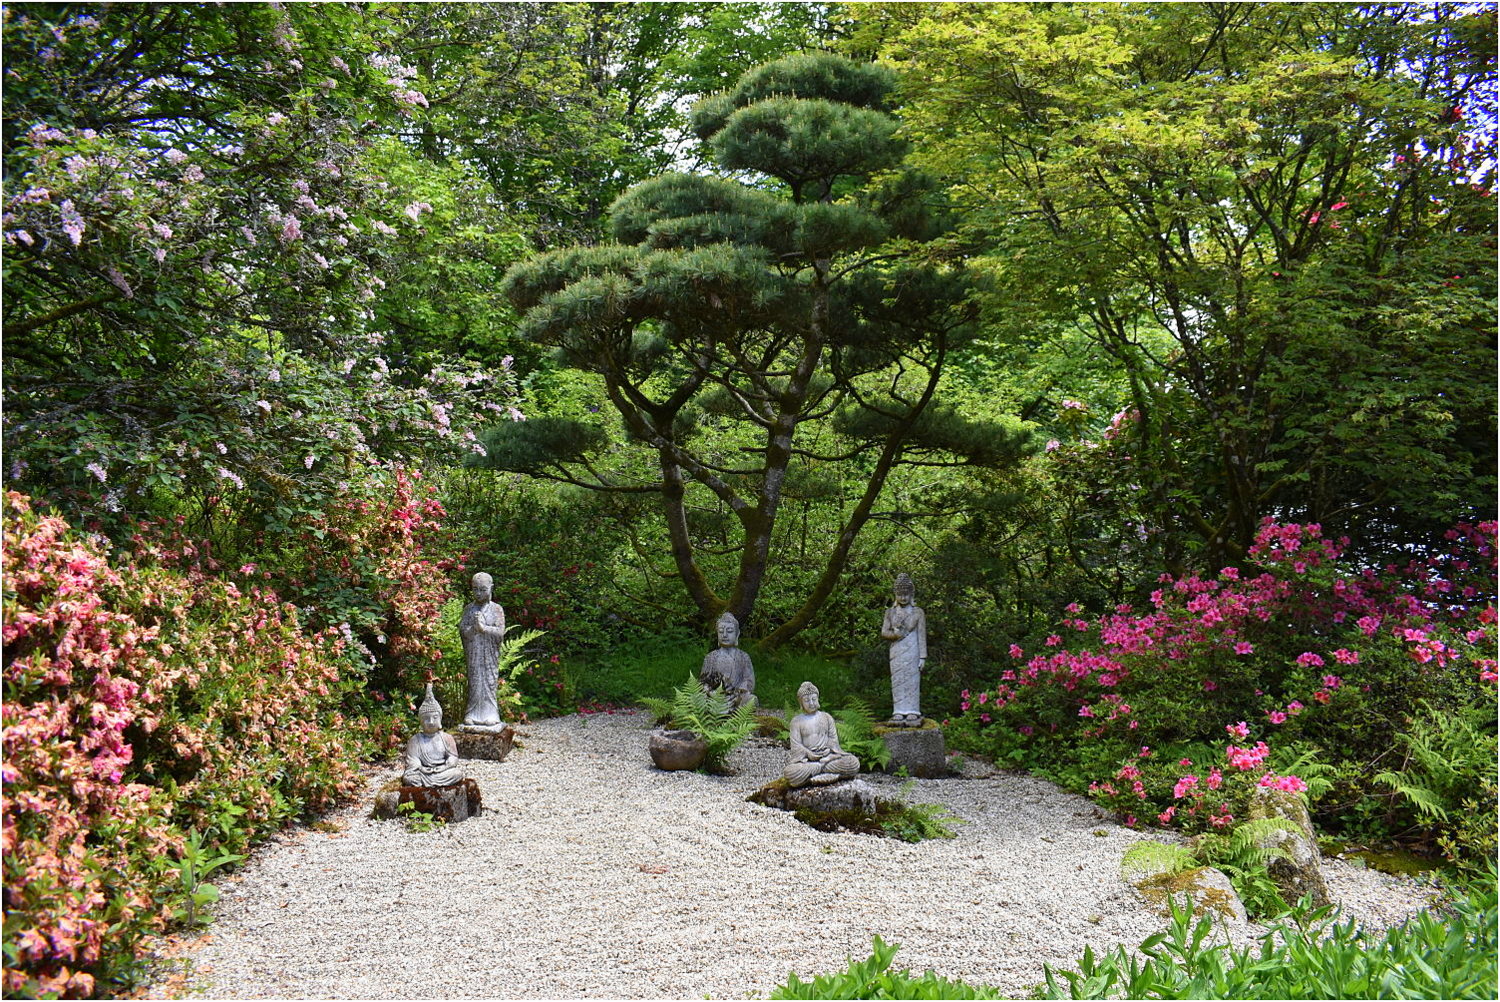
(795, 304)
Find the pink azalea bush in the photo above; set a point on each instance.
(377, 565)
(144, 698)
(1295, 651)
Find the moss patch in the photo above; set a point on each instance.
(1163, 888)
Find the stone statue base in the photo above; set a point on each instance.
(455, 802)
(921, 750)
(491, 743)
(849, 795)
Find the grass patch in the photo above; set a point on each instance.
(654, 667)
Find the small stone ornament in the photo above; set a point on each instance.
(816, 757)
(431, 756)
(905, 626)
(728, 668)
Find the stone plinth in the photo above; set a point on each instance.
(849, 795)
(920, 749)
(489, 743)
(674, 751)
(455, 802)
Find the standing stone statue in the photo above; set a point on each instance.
(431, 756)
(482, 628)
(816, 757)
(729, 668)
(905, 626)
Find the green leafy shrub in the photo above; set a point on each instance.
(1448, 777)
(692, 708)
(872, 978)
(1449, 955)
(145, 700)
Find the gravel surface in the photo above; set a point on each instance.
(591, 874)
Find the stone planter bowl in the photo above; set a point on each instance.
(675, 750)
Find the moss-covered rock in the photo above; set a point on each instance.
(1203, 888)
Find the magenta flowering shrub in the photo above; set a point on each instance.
(1296, 650)
(145, 697)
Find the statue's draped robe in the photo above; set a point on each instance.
(729, 668)
(482, 655)
(432, 760)
(907, 654)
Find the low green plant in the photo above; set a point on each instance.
(705, 712)
(415, 820)
(1448, 778)
(196, 863)
(919, 822)
(856, 727)
(1308, 954)
(872, 978)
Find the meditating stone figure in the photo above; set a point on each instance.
(816, 757)
(905, 626)
(729, 668)
(431, 756)
(482, 628)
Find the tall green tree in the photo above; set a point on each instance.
(563, 106)
(795, 305)
(1276, 219)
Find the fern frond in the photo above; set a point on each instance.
(660, 709)
(1427, 802)
(513, 652)
(1150, 857)
(1240, 849)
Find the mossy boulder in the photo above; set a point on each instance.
(1300, 871)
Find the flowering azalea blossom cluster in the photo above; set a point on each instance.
(1226, 646)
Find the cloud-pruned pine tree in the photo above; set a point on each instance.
(799, 291)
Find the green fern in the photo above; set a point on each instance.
(705, 712)
(856, 729)
(1240, 849)
(1447, 755)
(1301, 760)
(1150, 856)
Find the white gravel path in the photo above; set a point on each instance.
(591, 874)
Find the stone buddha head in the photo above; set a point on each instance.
(906, 589)
(430, 713)
(482, 587)
(807, 697)
(728, 630)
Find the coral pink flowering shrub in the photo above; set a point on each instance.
(1299, 650)
(141, 701)
(378, 565)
